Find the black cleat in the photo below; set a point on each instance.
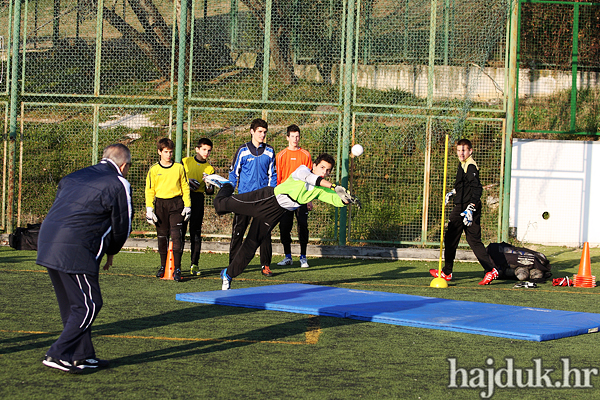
(91, 363)
(61, 365)
(177, 275)
(161, 272)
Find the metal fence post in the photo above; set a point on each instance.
(347, 115)
(14, 103)
(181, 81)
(511, 94)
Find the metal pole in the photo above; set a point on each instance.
(432, 27)
(511, 94)
(446, 30)
(574, 64)
(98, 60)
(181, 81)
(266, 52)
(95, 134)
(233, 30)
(14, 103)
(347, 115)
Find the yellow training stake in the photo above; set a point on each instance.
(440, 282)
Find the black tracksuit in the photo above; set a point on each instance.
(468, 191)
(91, 216)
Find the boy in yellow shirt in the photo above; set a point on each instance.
(168, 205)
(195, 168)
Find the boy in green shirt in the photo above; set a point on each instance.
(267, 205)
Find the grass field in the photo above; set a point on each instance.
(163, 348)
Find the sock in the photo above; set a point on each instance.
(288, 256)
(303, 256)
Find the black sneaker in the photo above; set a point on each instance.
(90, 363)
(161, 272)
(61, 365)
(177, 275)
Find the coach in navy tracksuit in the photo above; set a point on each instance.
(90, 217)
(253, 168)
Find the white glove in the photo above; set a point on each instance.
(186, 213)
(468, 215)
(150, 216)
(345, 195)
(448, 195)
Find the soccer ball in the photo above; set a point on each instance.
(357, 150)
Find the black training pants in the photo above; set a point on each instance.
(170, 224)
(285, 229)
(260, 205)
(195, 225)
(473, 234)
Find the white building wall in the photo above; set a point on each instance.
(559, 178)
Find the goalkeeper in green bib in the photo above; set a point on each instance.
(266, 206)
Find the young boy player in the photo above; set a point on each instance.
(267, 205)
(195, 168)
(466, 215)
(168, 205)
(287, 161)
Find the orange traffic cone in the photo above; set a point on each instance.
(170, 267)
(584, 276)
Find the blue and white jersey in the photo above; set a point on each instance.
(253, 168)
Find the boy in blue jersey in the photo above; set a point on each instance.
(253, 168)
(266, 206)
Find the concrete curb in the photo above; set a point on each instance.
(365, 252)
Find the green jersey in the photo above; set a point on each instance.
(301, 188)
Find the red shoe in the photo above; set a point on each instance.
(434, 273)
(489, 277)
(266, 271)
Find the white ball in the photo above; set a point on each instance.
(357, 150)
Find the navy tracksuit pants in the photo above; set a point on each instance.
(79, 301)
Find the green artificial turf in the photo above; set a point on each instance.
(167, 349)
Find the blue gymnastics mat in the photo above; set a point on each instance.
(524, 323)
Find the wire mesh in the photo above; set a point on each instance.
(406, 58)
(101, 72)
(559, 50)
(319, 134)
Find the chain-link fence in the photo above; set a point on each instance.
(559, 67)
(394, 76)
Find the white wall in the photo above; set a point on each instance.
(560, 178)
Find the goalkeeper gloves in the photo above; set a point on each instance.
(448, 195)
(150, 216)
(468, 215)
(186, 213)
(194, 184)
(345, 195)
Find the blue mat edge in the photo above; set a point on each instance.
(368, 318)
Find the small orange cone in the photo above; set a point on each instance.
(584, 276)
(170, 267)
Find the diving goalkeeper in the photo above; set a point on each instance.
(267, 205)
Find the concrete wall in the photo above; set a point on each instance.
(485, 84)
(562, 179)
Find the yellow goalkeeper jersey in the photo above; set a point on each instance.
(167, 182)
(195, 169)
